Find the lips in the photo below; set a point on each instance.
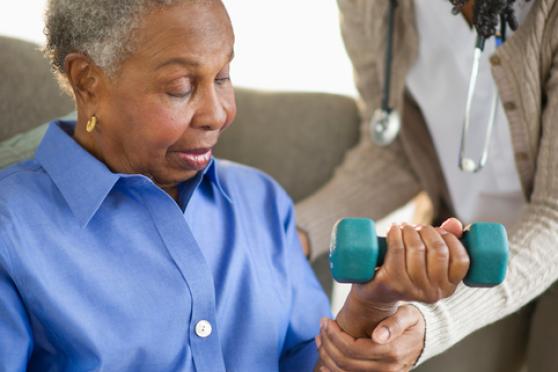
(195, 159)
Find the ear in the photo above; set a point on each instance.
(85, 78)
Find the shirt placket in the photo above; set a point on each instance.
(188, 258)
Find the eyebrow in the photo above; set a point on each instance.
(178, 61)
(186, 62)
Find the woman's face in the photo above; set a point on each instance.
(163, 112)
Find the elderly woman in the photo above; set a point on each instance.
(125, 246)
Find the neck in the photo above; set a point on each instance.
(173, 192)
(85, 139)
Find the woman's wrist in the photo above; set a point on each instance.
(359, 317)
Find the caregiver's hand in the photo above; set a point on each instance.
(395, 345)
(423, 263)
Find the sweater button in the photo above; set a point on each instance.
(495, 60)
(521, 156)
(510, 106)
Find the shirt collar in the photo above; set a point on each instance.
(211, 172)
(83, 180)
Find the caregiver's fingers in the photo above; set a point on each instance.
(340, 353)
(405, 318)
(341, 343)
(342, 364)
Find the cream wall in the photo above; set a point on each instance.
(286, 45)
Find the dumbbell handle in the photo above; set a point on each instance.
(382, 250)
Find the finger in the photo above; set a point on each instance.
(400, 353)
(453, 226)
(350, 358)
(458, 259)
(395, 325)
(359, 348)
(330, 365)
(341, 343)
(415, 259)
(437, 263)
(326, 360)
(336, 361)
(395, 255)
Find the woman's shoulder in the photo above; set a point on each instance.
(21, 182)
(21, 173)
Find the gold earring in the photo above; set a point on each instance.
(91, 124)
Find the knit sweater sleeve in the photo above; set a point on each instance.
(371, 181)
(533, 265)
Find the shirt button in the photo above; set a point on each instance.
(495, 60)
(203, 328)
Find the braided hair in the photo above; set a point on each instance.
(487, 14)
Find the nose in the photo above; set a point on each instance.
(211, 112)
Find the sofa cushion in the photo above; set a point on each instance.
(29, 93)
(22, 146)
(297, 137)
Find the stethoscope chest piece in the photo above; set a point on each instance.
(384, 126)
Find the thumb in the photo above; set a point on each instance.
(395, 325)
(453, 226)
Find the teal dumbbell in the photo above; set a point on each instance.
(356, 251)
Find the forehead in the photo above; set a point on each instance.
(193, 29)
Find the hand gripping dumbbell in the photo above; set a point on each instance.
(356, 251)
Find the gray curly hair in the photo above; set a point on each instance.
(100, 29)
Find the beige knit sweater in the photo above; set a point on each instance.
(374, 181)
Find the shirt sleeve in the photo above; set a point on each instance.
(15, 332)
(308, 305)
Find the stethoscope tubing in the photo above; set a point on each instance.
(385, 123)
(389, 55)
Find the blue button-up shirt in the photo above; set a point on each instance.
(105, 271)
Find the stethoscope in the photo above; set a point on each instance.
(386, 122)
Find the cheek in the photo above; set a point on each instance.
(151, 127)
(163, 127)
(153, 123)
(230, 109)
